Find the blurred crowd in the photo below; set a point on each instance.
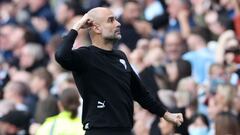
(186, 52)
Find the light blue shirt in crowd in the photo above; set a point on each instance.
(153, 10)
(200, 61)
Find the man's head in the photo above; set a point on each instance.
(41, 80)
(15, 91)
(35, 5)
(66, 11)
(216, 24)
(175, 6)
(196, 40)
(104, 25)
(131, 11)
(30, 54)
(173, 45)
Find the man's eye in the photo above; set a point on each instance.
(110, 19)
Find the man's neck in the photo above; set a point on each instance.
(199, 47)
(103, 44)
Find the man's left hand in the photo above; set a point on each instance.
(175, 118)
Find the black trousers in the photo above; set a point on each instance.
(107, 131)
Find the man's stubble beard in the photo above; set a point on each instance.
(113, 39)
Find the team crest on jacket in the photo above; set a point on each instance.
(123, 62)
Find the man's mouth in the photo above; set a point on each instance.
(118, 31)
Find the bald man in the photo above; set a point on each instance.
(105, 79)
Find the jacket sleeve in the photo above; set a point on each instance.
(70, 59)
(143, 96)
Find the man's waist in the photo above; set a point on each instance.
(110, 128)
(114, 126)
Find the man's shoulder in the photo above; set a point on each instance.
(87, 47)
(121, 53)
(189, 55)
(82, 49)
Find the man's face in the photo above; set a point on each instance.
(61, 15)
(131, 12)
(213, 108)
(36, 84)
(26, 59)
(211, 19)
(174, 6)
(110, 27)
(173, 47)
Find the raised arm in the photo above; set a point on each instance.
(64, 55)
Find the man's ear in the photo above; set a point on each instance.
(97, 29)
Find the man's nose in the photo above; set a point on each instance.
(118, 24)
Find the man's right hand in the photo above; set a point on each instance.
(84, 23)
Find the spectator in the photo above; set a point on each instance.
(32, 57)
(217, 76)
(224, 97)
(66, 11)
(7, 105)
(21, 76)
(227, 52)
(180, 18)
(199, 125)
(131, 12)
(153, 8)
(17, 93)
(5, 44)
(14, 122)
(154, 76)
(166, 127)
(198, 49)
(226, 123)
(67, 121)
(189, 85)
(215, 23)
(137, 58)
(174, 47)
(52, 45)
(47, 104)
(144, 29)
(227, 43)
(42, 19)
(116, 6)
(7, 12)
(143, 121)
(222, 102)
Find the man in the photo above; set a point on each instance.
(131, 13)
(65, 13)
(198, 49)
(16, 92)
(104, 77)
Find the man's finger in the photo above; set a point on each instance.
(179, 123)
(181, 120)
(181, 117)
